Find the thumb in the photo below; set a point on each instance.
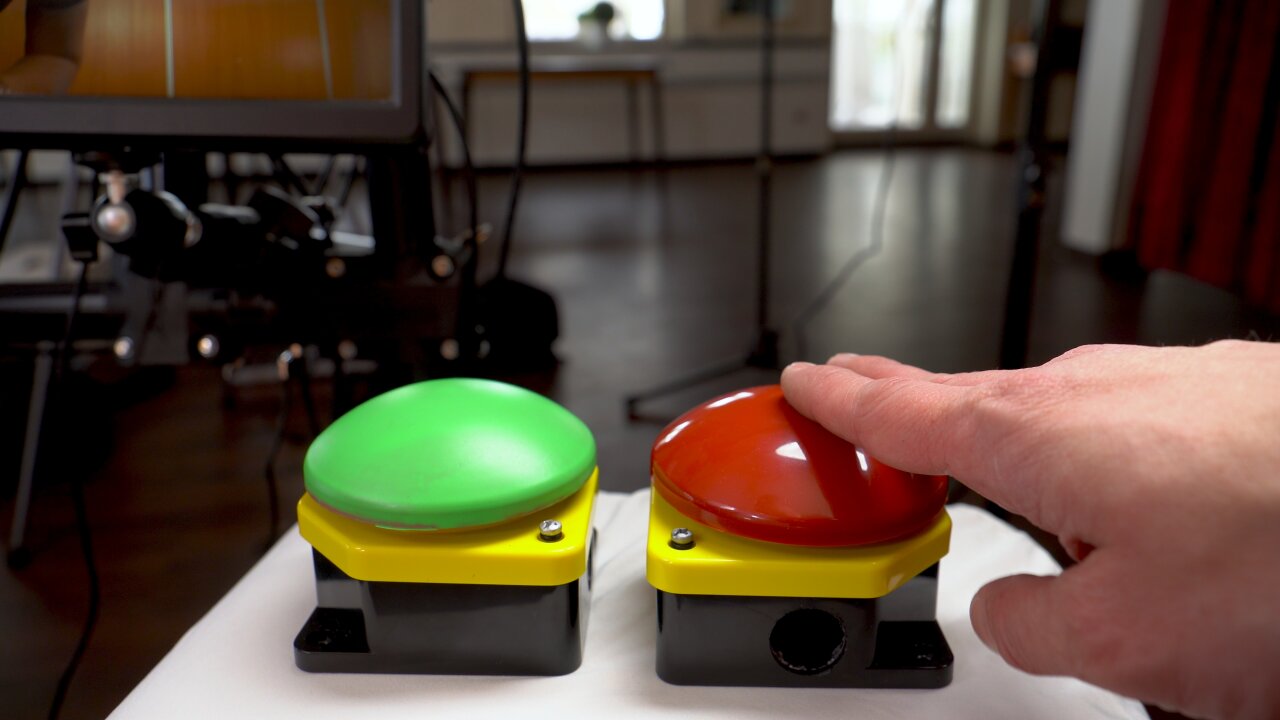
(1022, 619)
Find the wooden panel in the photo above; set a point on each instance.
(12, 33)
(227, 48)
(247, 49)
(360, 44)
(123, 49)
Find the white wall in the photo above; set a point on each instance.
(1113, 95)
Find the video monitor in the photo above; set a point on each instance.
(73, 72)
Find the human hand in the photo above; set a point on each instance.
(1158, 468)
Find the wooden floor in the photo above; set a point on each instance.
(654, 279)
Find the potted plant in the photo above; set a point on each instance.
(593, 25)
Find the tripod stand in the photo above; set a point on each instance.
(1015, 331)
(763, 354)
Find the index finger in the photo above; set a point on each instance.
(911, 424)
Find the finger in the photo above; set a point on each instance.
(877, 367)
(1022, 619)
(921, 427)
(913, 425)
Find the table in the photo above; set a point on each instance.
(631, 72)
(238, 660)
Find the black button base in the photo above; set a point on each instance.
(443, 629)
(888, 642)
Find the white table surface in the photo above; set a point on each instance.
(237, 662)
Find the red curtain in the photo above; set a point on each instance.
(1208, 196)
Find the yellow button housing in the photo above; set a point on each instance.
(723, 564)
(508, 553)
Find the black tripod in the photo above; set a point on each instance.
(1020, 295)
(763, 354)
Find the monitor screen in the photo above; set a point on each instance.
(288, 69)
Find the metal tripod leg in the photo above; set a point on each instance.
(633, 401)
(18, 553)
(763, 356)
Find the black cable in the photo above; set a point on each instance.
(152, 317)
(860, 257)
(459, 124)
(81, 512)
(522, 135)
(470, 260)
(16, 184)
(764, 168)
(874, 247)
(288, 180)
(349, 181)
(326, 174)
(269, 472)
(287, 365)
(308, 395)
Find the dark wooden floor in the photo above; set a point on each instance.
(654, 280)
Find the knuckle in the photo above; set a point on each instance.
(995, 404)
(1083, 350)
(883, 390)
(1023, 395)
(871, 400)
(1024, 383)
(834, 403)
(1230, 344)
(896, 404)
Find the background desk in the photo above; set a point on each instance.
(237, 662)
(631, 73)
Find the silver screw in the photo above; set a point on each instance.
(442, 266)
(450, 350)
(347, 350)
(682, 538)
(123, 347)
(285, 360)
(115, 222)
(550, 530)
(208, 347)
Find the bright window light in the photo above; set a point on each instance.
(880, 63)
(878, 69)
(558, 19)
(959, 28)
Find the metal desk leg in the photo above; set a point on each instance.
(659, 122)
(633, 121)
(18, 553)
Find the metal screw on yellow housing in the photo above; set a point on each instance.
(550, 531)
(681, 539)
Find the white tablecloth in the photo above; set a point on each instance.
(237, 662)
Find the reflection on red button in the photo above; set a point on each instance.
(749, 464)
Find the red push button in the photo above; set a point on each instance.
(749, 464)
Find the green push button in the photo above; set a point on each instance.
(447, 454)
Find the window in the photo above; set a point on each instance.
(902, 64)
(558, 19)
(955, 69)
